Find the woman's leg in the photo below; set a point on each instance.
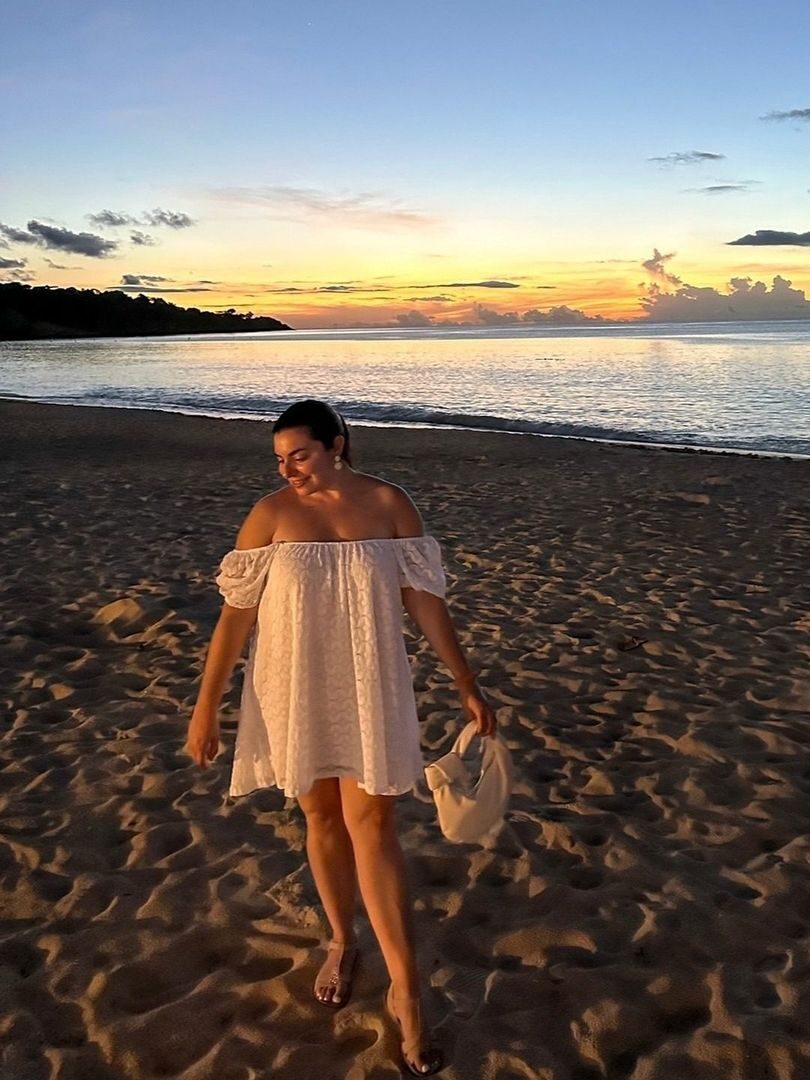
(331, 856)
(371, 822)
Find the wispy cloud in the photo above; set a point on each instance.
(367, 210)
(690, 157)
(155, 283)
(59, 266)
(12, 264)
(789, 114)
(367, 289)
(772, 238)
(141, 239)
(656, 267)
(723, 189)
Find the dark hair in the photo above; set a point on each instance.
(324, 423)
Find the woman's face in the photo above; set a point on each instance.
(302, 461)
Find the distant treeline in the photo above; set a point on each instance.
(44, 311)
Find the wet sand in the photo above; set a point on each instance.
(641, 619)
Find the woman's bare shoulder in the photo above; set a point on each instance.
(261, 522)
(400, 507)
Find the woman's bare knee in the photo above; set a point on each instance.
(321, 804)
(367, 815)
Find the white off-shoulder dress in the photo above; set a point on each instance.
(327, 688)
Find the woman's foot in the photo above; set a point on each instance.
(420, 1057)
(333, 985)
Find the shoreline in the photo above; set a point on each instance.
(682, 448)
(640, 624)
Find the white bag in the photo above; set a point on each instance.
(470, 807)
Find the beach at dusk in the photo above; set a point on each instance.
(531, 278)
(640, 621)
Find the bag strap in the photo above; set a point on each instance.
(464, 738)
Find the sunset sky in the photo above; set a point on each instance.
(351, 163)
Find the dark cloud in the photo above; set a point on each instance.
(19, 236)
(56, 238)
(59, 266)
(440, 298)
(141, 239)
(744, 300)
(656, 267)
(173, 218)
(691, 157)
(413, 319)
(561, 315)
(109, 219)
(161, 289)
(471, 285)
(772, 238)
(790, 114)
(146, 279)
(722, 189)
(11, 264)
(112, 219)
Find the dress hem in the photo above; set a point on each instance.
(397, 789)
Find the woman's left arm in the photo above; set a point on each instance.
(431, 615)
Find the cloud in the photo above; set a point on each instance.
(19, 236)
(772, 238)
(655, 267)
(413, 319)
(368, 289)
(471, 285)
(691, 157)
(59, 266)
(54, 237)
(439, 298)
(160, 289)
(174, 219)
(112, 219)
(11, 264)
(562, 315)
(723, 189)
(791, 114)
(371, 210)
(145, 279)
(141, 239)
(18, 273)
(744, 300)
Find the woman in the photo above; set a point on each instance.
(322, 569)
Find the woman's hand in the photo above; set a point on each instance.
(476, 708)
(202, 741)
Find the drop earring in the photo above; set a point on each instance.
(338, 462)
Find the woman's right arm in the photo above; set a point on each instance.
(228, 640)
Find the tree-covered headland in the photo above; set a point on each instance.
(28, 312)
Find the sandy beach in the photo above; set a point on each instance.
(641, 619)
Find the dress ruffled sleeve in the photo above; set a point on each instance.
(242, 574)
(420, 564)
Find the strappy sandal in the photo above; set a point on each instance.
(336, 973)
(416, 1049)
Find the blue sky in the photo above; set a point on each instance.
(327, 143)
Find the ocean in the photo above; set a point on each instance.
(721, 386)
